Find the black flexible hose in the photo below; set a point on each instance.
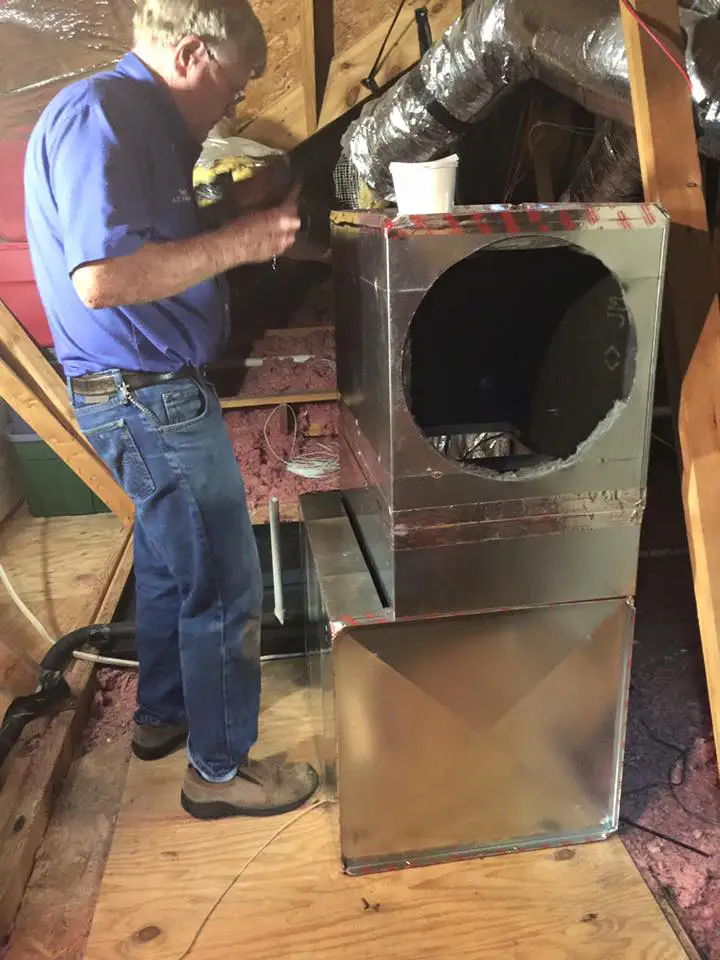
(52, 686)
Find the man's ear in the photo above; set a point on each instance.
(189, 54)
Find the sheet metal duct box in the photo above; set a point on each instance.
(470, 588)
(496, 374)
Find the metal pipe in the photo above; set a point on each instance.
(274, 515)
(576, 48)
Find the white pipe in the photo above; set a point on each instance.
(274, 514)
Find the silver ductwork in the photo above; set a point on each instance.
(498, 44)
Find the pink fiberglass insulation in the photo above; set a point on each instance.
(693, 879)
(266, 476)
(112, 709)
(280, 373)
(317, 308)
(317, 343)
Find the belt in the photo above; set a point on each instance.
(105, 384)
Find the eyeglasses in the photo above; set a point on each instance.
(237, 96)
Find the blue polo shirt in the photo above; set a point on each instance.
(108, 169)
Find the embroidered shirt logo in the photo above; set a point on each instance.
(182, 196)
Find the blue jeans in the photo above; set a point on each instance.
(199, 583)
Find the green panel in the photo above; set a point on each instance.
(50, 486)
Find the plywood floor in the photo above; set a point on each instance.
(70, 571)
(60, 567)
(176, 889)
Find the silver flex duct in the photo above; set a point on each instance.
(576, 48)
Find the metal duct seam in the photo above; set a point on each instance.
(500, 43)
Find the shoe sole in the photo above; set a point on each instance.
(159, 752)
(217, 810)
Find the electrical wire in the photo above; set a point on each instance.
(24, 610)
(642, 22)
(664, 836)
(248, 863)
(565, 127)
(516, 157)
(311, 466)
(47, 636)
(670, 782)
(370, 81)
(105, 661)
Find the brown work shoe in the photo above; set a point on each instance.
(260, 789)
(152, 742)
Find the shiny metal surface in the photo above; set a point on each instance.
(461, 735)
(443, 536)
(338, 585)
(576, 48)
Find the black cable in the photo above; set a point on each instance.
(664, 836)
(369, 82)
(52, 686)
(669, 783)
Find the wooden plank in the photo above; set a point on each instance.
(56, 912)
(94, 552)
(349, 69)
(281, 122)
(289, 513)
(26, 360)
(309, 67)
(298, 331)
(275, 399)
(671, 176)
(178, 888)
(59, 437)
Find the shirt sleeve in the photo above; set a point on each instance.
(99, 175)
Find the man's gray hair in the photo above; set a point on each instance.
(217, 22)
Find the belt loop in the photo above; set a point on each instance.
(71, 391)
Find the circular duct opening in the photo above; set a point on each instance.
(518, 356)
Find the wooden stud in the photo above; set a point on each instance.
(309, 74)
(273, 400)
(283, 123)
(27, 361)
(671, 176)
(349, 69)
(65, 443)
(316, 45)
(298, 331)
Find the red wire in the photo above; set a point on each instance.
(658, 40)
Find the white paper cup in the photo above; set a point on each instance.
(424, 188)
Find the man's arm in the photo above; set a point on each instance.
(160, 270)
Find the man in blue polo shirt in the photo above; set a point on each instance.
(136, 298)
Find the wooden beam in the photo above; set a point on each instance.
(25, 358)
(65, 443)
(283, 123)
(275, 399)
(671, 176)
(289, 513)
(309, 64)
(32, 780)
(344, 87)
(316, 46)
(298, 331)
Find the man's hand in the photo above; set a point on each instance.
(267, 187)
(160, 270)
(265, 234)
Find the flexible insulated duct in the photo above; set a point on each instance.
(576, 48)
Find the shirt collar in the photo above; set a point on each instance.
(132, 66)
